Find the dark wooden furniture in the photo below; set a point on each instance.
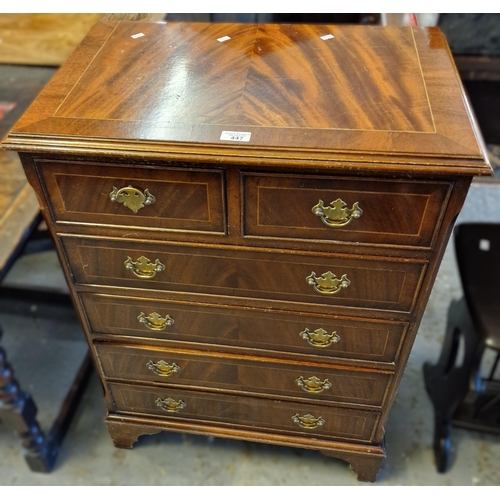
(251, 218)
(461, 395)
(20, 235)
(18, 412)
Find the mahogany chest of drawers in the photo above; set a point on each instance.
(251, 218)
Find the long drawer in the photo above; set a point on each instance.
(376, 283)
(143, 197)
(293, 333)
(244, 374)
(326, 208)
(295, 418)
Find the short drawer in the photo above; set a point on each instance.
(293, 333)
(136, 196)
(376, 283)
(244, 374)
(296, 418)
(321, 209)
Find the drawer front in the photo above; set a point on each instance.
(241, 374)
(353, 425)
(160, 198)
(373, 283)
(240, 327)
(388, 212)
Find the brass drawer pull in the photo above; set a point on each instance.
(337, 214)
(313, 385)
(308, 421)
(162, 368)
(319, 337)
(132, 198)
(144, 268)
(327, 283)
(155, 322)
(169, 405)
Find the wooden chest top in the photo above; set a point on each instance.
(297, 92)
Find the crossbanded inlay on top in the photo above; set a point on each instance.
(259, 77)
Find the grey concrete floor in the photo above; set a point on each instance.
(45, 352)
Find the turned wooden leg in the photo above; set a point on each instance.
(124, 435)
(18, 411)
(366, 466)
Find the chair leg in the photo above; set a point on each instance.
(442, 442)
(447, 383)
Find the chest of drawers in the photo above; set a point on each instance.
(251, 218)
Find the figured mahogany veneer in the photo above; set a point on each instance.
(185, 199)
(394, 212)
(368, 89)
(245, 327)
(241, 374)
(375, 283)
(240, 411)
(291, 196)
